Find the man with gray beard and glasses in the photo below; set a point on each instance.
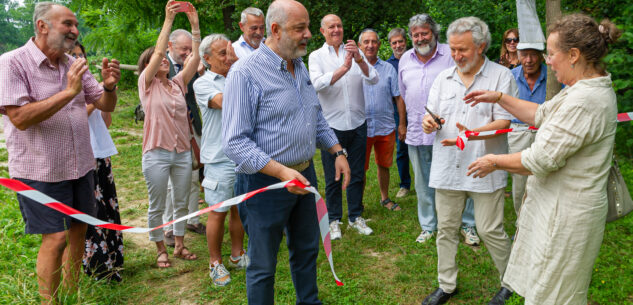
(416, 72)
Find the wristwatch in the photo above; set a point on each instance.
(340, 152)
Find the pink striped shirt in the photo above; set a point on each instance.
(55, 149)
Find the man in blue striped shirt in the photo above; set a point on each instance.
(272, 123)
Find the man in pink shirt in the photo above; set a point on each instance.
(43, 97)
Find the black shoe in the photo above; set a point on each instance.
(438, 297)
(501, 297)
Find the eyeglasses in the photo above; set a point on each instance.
(510, 40)
(78, 56)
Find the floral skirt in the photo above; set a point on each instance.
(103, 256)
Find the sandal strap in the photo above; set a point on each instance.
(394, 206)
(386, 201)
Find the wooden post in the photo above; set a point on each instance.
(552, 14)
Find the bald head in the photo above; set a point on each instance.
(332, 30)
(287, 25)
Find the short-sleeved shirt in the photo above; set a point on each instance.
(58, 148)
(166, 125)
(206, 88)
(449, 166)
(379, 100)
(534, 95)
(100, 139)
(415, 79)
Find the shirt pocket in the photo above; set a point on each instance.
(447, 104)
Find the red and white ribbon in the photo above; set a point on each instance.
(322, 215)
(460, 143)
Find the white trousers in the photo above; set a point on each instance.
(159, 166)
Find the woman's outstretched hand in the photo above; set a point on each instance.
(192, 15)
(481, 96)
(171, 9)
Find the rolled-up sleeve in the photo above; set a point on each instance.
(238, 122)
(320, 80)
(563, 136)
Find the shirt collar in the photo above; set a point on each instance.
(39, 56)
(482, 70)
(214, 76)
(276, 60)
(331, 48)
(439, 49)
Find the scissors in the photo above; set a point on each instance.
(437, 119)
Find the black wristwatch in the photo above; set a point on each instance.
(340, 152)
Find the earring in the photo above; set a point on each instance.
(572, 66)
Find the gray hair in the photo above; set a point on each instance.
(475, 26)
(177, 33)
(205, 46)
(396, 32)
(250, 11)
(422, 20)
(276, 14)
(368, 30)
(41, 12)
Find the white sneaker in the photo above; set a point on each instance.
(361, 226)
(424, 236)
(402, 192)
(335, 230)
(219, 274)
(240, 262)
(470, 236)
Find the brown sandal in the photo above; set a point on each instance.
(188, 256)
(163, 263)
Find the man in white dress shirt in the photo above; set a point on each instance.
(337, 72)
(469, 39)
(252, 26)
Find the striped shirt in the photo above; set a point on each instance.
(269, 114)
(58, 148)
(379, 100)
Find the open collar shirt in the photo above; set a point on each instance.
(379, 100)
(415, 79)
(206, 88)
(242, 48)
(343, 102)
(57, 148)
(449, 166)
(269, 114)
(534, 95)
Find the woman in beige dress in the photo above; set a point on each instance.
(562, 218)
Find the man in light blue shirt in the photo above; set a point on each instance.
(272, 124)
(219, 171)
(531, 78)
(252, 26)
(379, 101)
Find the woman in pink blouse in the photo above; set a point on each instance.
(166, 146)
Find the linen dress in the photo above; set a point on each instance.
(561, 224)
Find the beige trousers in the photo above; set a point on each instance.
(519, 141)
(489, 220)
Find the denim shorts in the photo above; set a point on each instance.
(218, 183)
(77, 193)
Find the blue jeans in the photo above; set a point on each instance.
(355, 142)
(402, 155)
(421, 157)
(268, 214)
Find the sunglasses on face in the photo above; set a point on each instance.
(510, 40)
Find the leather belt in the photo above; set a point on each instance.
(300, 166)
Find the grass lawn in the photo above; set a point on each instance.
(387, 267)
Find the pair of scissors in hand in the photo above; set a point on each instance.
(437, 119)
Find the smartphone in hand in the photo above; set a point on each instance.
(184, 6)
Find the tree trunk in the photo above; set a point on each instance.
(227, 13)
(552, 14)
